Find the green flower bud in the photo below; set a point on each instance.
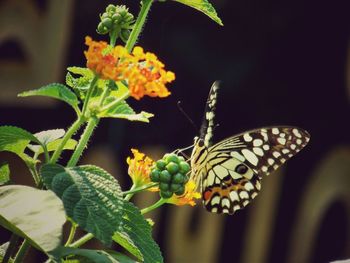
(161, 164)
(172, 167)
(107, 22)
(180, 191)
(178, 178)
(166, 194)
(124, 34)
(184, 167)
(104, 16)
(175, 187)
(172, 158)
(186, 179)
(155, 175)
(165, 176)
(101, 29)
(164, 187)
(110, 8)
(181, 158)
(116, 18)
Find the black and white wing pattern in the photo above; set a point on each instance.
(229, 173)
(235, 166)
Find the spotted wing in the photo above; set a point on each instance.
(235, 166)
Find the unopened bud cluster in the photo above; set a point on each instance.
(116, 20)
(171, 174)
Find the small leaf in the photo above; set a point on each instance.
(52, 146)
(57, 91)
(4, 174)
(15, 140)
(81, 71)
(78, 255)
(122, 110)
(91, 197)
(135, 235)
(3, 249)
(203, 6)
(50, 135)
(36, 215)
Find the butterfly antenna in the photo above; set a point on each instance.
(186, 115)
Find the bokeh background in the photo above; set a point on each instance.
(280, 62)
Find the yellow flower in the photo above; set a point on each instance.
(144, 73)
(139, 168)
(188, 198)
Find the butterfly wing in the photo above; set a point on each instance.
(236, 165)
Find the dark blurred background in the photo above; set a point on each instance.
(280, 63)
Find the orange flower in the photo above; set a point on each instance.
(143, 72)
(188, 198)
(139, 168)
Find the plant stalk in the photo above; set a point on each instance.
(82, 240)
(159, 203)
(22, 252)
(84, 139)
(140, 21)
(11, 248)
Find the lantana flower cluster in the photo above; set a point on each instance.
(143, 72)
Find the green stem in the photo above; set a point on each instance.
(134, 189)
(22, 252)
(84, 139)
(112, 104)
(88, 95)
(159, 203)
(71, 234)
(113, 37)
(82, 240)
(141, 19)
(11, 248)
(75, 126)
(104, 95)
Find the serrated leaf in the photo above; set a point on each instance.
(15, 140)
(48, 136)
(135, 235)
(4, 174)
(57, 91)
(52, 146)
(122, 110)
(36, 215)
(77, 255)
(91, 197)
(3, 249)
(203, 6)
(81, 71)
(143, 116)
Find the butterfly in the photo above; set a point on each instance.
(229, 173)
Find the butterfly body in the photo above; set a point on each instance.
(229, 173)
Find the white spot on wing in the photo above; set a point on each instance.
(281, 141)
(225, 202)
(276, 154)
(215, 200)
(249, 186)
(285, 151)
(275, 131)
(250, 156)
(247, 137)
(266, 147)
(220, 171)
(296, 133)
(257, 142)
(270, 161)
(258, 151)
(234, 196)
(243, 195)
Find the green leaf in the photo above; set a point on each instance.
(79, 84)
(81, 71)
(36, 215)
(203, 6)
(3, 249)
(91, 197)
(57, 91)
(122, 110)
(50, 135)
(135, 235)
(4, 174)
(78, 255)
(52, 146)
(15, 140)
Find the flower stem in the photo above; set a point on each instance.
(71, 234)
(84, 139)
(75, 126)
(82, 240)
(141, 19)
(159, 203)
(11, 248)
(128, 194)
(88, 95)
(110, 105)
(22, 252)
